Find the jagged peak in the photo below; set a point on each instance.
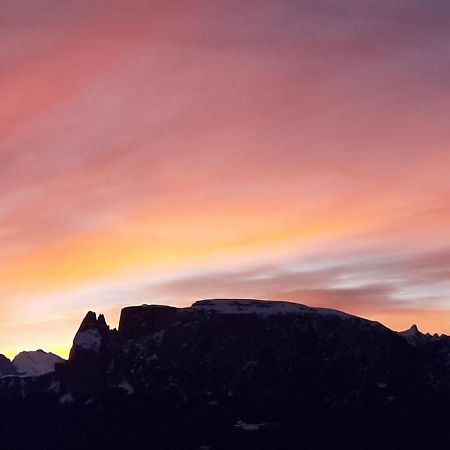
(91, 321)
(101, 321)
(90, 334)
(414, 336)
(413, 329)
(412, 332)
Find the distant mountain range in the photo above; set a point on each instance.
(231, 374)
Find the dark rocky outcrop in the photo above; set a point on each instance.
(84, 372)
(140, 321)
(6, 366)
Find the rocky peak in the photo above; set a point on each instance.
(414, 336)
(91, 321)
(413, 330)
(83, 373)
(90, 335)
(101, 322)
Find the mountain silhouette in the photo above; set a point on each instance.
(235, 374)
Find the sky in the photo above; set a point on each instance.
(163, 152)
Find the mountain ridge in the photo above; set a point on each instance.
(242, 305)
(235, 373)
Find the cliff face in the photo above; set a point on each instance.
(136, 322)
(236, 374)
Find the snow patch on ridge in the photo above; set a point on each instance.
(88, 340)
(261, 307)
(243, 426)
(67, 398)
(126, 387)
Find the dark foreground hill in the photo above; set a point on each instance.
(235, 374)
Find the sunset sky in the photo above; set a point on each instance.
(167, 151)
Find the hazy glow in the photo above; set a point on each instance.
(164, 151)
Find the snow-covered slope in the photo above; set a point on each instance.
(35, 363)
(261, 307)
(88, 340)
